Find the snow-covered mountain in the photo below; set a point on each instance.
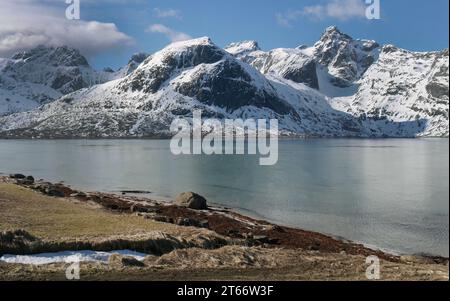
(38, 76)
(389, 91)
(338, 87)
(294, 64)
(332, 65)
(43, 74)
(403, 94)
(180, 78)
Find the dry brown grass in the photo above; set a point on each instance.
(235, 263)
(56, 218)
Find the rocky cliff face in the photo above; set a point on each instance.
(346, 59)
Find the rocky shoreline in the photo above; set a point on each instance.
(216, 229)
(197, 214)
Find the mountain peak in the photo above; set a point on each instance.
(333, 28)
(334, 33)
(138, 57)
(242, 48)
(193, 42)
(55, 56)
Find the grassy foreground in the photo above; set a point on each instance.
(59, 218)
(185, 253)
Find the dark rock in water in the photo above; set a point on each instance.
(191, 200)
(119, 261)
(17, 176)
(135, 192)
(25, 181)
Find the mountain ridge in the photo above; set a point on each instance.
(339, 87)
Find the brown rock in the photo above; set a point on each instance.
(119, 261)
(191, 200)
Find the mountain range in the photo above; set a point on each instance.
(339, 87)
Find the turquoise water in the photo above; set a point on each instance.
(392, 194)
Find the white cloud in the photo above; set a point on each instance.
(172, 35)
(24, 24)
(167, 13)
(335, 9)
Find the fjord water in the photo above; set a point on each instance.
(391, 194)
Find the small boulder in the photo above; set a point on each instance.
(191, 200)
(55, 192)
(25, 181)
(119, 261)
(17, 176)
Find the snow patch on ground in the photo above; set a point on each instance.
(69, 257)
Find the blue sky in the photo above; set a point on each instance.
(149, 25)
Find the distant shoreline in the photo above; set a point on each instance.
(2, 138)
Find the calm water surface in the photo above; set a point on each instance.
(392, 194)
